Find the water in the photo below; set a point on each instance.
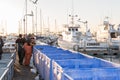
(109, 55)
(113, 56)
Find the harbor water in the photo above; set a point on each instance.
(112, 56)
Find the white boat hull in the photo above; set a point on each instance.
(81, 47)
(66, 44)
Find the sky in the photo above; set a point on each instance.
(55, 12)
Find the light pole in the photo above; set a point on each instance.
(24, 24)
(25, 30)
(40, 21)
(35, 2)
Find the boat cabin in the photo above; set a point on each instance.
(71, 33)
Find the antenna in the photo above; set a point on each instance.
(34, 2)
(72, 7)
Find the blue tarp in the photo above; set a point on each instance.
(58, 64)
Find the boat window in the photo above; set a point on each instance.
(113, 35)
(76, 29)
(69, 29)
(8, 45)
(72, 29)
(13, 44)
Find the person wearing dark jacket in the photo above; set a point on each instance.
(1, 45)
(20, 50)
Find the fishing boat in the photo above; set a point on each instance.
(73, 38)
(112, 36)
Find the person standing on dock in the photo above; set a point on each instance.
(28, 52)
(20, 50)
(1, 45)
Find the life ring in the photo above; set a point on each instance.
(76, 48)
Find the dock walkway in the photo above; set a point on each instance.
(22, 72)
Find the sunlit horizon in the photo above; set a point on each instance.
(10, 13)
(55, 13)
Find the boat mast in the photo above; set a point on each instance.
(25, 31)
(40, 21)
(72, 15)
